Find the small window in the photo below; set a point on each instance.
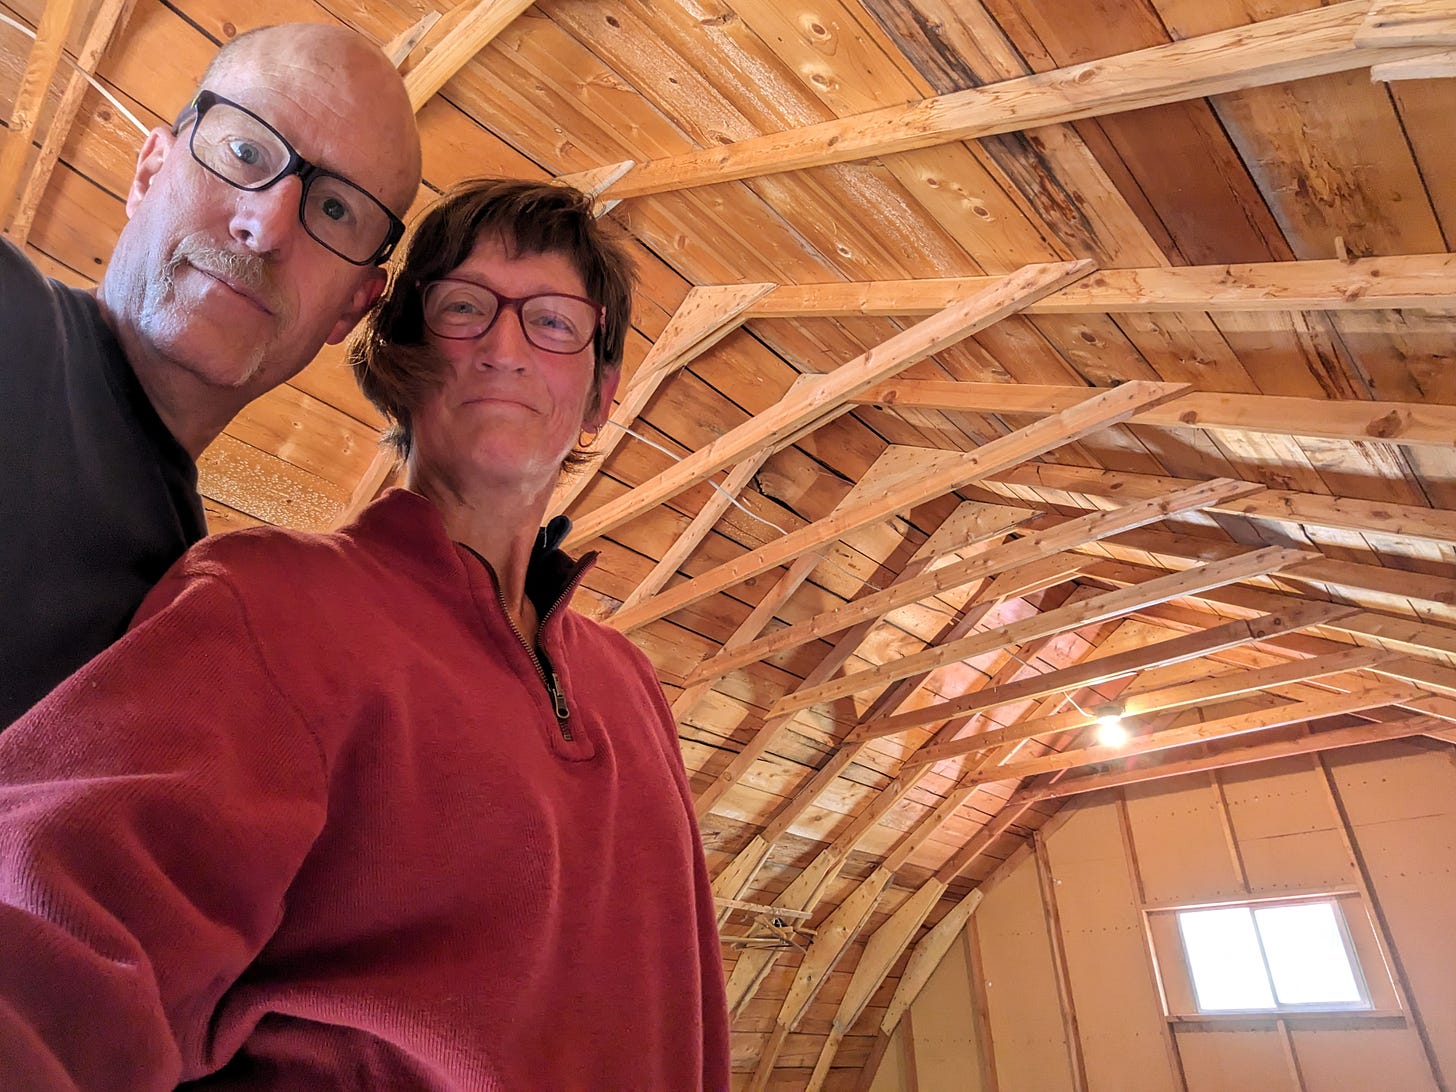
(1271, 957)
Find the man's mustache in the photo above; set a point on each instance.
(249, 272)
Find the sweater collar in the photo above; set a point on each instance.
(412, 528)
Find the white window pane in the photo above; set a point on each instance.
(1307, 955)
(1223, 956)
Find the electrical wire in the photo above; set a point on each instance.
(107, 95)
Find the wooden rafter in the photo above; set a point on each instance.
(1361, 284)
(108, 22)
(1310, 743)
(828, 396)
(40, 69)
(1020, 552)
(1101, 608)
(466, 35)
(1421, 423)
(1292, 47)
(954, 534)
(1281, 505)
(1007, 451)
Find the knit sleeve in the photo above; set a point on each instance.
(153, 811)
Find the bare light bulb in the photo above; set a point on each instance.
(1111, 732)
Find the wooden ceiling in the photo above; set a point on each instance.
(1059, 353)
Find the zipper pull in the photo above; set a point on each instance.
(558, 698)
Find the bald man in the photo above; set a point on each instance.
(256, 229)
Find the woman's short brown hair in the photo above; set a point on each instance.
(392, 361)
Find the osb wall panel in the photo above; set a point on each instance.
(1113, 993)
(1226, 1059)
(1286, 828)
(1180, 841)
(1189, 837)
(1335, 1060)
(943, 1026)
(1402, 808)
(1026, 1027)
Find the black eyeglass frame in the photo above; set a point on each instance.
(514, 303)
(307, 172)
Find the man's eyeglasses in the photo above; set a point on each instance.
(461, 310)
(236, 145)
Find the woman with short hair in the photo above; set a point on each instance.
(377, 809)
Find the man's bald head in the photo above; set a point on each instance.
(336, 56)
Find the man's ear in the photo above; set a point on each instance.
(158, 145)
(370, 288)
(605, 393)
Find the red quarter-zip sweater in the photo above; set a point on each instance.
(316, 823)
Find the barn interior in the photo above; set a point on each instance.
(1033, 480)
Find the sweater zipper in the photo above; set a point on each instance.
(541, 663)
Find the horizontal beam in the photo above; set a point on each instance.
(826, 396)
(1296, 712)
(1422, 423)
(1000, 454)
(1088, 612)
(1364, 284)
(1292, 47)
(1436, 525)
(1198, 692)
(1314, 742)
(1296, 615)
(959, 574)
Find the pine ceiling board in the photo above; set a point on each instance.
(713, 97)
(1178, 155)
(267, 488)
(78, 223)
(1331, 157)
(1424, 107)
(329, 379)
(1329, 153)
(1293, 353)
(782, 73)
(52, 268)
(311, 434)
(1058, 179)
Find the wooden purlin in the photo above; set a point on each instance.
(1281, 505)
(894, 465)
(828, 397)
(468, 35)
(945, 539)
(1181, 696)
(1109, 605)
(1407, 23)
(1217, 729)
(1022, 551)
(1369, 422)
(1192, 646)
(1360, 284)
(1430, 66)
(108, 22)
(1007, 451)
(1405, 634)
(45, 56)
(1291, 47)
(1349, 576)
(705, 317)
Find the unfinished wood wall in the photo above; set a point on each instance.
(1051, 986)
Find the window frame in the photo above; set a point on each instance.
(1280, 1008)
(1370, 962)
